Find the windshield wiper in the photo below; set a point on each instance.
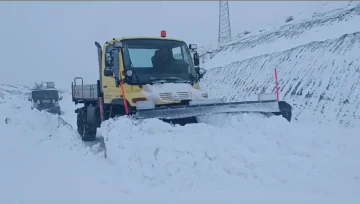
(177, 80)
(169, 79)
(154, 79)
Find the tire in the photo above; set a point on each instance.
(86, 131)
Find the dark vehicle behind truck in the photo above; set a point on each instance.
(45, 99)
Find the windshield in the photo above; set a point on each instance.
(45, 94)
(157, 59)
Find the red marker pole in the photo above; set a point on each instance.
(124, 98)
(276, 86)
(101, 105)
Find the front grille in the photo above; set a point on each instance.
(46, 105)
(176, 96)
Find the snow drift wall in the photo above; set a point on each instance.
(43, 158)
(234, 154)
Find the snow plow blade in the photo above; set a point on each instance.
(207, 107)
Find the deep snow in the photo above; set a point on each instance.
(230, 159)
(243, 152)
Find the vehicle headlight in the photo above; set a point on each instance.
(205, 95)
(129, 73)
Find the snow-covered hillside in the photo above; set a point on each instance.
(7, 92)
(317, 61)
(321, 26)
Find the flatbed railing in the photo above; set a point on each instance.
(83, 92)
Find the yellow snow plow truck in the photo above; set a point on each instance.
(153, 78)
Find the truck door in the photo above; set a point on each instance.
(111, 87)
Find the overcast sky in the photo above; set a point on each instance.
(55, 40)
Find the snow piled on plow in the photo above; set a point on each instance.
(243, 153)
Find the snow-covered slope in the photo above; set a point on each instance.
(321, 26)
(317, 61)
(7, 92)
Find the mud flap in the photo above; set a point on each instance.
(205, 107)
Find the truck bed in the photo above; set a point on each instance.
(84, 92)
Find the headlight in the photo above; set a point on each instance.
(129, 73)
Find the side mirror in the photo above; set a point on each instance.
(60, 98)
(196, 59)
(29, 98)
(193, 47)
(108, 71)
(202, 71)
(109, 59)
(108, 64)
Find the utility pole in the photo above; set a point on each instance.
(224, 22)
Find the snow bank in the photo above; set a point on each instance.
(241, 154)
(42, 158)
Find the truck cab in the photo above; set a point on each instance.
(157, 70)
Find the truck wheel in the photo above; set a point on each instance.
(86, 131)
